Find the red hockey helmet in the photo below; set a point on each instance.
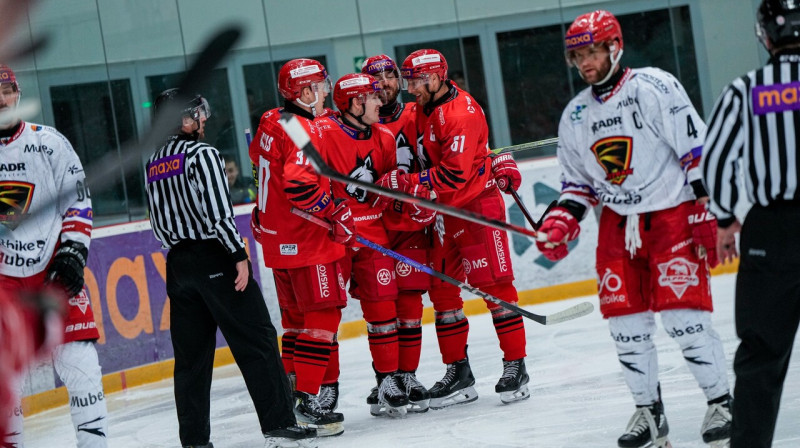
(7, 76)
(422, 63)
(378, 64)
(596, 27)
(352, 86)
(299, 73)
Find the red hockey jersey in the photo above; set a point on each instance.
(454, 149)
(285, 179)
(361, 155)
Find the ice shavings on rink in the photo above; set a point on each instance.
(578, 396)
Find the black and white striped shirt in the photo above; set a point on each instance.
(189, 197)
(753, 130)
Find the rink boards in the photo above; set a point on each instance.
(126, 271)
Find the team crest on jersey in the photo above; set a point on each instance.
(679, 274)
(81, 301)
(614, 155)
(364, 171)
(15, 200)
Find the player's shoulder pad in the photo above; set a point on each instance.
(656, 80)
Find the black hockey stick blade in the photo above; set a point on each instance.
(105, 171)
(300, 138)
(561, 316)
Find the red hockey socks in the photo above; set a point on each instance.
(381, 320)
(312, 349)
(452, 329)
(409, 329)
(509, 325)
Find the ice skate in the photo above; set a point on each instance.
(418, 396)
(513, 384)
(291, 437)
(329, 396)
(375, 407)
(716, 429)
(310, 414)
(456, 387)
(292, 381)
(647, 428)
(391, 397)
(207, 445)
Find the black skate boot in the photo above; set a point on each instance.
(513, 384)
(291, 436)
(329, 396)
(716, 429)
(390, 395)
(207, 445)
(647, 428)
(375, 407)
(310, 414)
(456, 387)
(418, 396)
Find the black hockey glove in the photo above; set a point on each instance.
(66, 270)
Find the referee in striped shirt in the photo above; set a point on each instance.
(210, 283)
(755, 130)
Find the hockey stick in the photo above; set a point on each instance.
(526, 146)
(300, 138)
(106, 169)
(521, 205)
(570, 313)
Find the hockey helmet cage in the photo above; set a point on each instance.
(778, 21)
(593, 28)
(299, 73)
(352, 86)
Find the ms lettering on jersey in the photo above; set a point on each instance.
(165, 167)
(614, 154)
(678, 274)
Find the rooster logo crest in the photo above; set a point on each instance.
(614, 155)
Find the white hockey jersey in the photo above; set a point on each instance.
(635, 151)
(43, 198)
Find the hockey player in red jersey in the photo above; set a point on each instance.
(48, 251)
(407, 234)
(308, 262)
(632, 140)
(355, 143)
(454, 136)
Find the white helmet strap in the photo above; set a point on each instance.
(614, 62)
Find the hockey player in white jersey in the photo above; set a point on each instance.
(632, 141)
(45, 230)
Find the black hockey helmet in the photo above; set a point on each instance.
(778, 21)
(192, 108)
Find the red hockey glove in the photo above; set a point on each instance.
(394, 180)
(704, 233)
(559, 228)
(506, 173)
(255, 225)
(343, 227)
(418, 213)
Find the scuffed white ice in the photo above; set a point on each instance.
(578, 397)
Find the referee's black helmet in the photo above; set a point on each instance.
(192, 108)
(778, 22)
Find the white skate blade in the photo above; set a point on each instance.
(377, 410)
(329, 430)
(418, 407)
(517, 395)
(398, 412)
(724, 443)
(283, 442)
(659, 443)
(463, 396)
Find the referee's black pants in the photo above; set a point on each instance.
(200, 285)
(767, 316)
